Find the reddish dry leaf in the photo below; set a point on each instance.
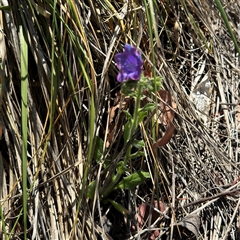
(167, 114)
(147, 70)
(166, 137)
(166, 117)
(144, 214)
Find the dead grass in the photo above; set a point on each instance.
(195, 176)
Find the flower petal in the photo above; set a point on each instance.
(129, 48)
(119, 59)
(129, 63)
(139, 59)
(122, 77)
(134, 75)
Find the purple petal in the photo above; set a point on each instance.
(135, 75)
(119, 59)
(122, 77)
(139, 58)
(129, 63)
(129, 48)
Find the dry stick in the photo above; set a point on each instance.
(223, 99)
(215, 197)
(113, 43)
(196, 128)
(3, 188)
(97, 199)
(173, 201)
(233, 217)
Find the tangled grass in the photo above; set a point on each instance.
(58, 87)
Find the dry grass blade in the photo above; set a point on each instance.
(3, 184)
(76, 121)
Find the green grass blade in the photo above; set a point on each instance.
(3, 222)
(151, 22)
(54, 72)
(15, 225)
(194, 24)
(24, 109)
(224, 16)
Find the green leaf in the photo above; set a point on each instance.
(138, 143)
(24, 126)
(91, 189)
(128, 115)
(129, 88)
(141, 116)
(119, 207)
(5, 8)
(133, 180)
(148, 107)
(98, 152)
(151, 84)
(127, 130)
(121, 168)
(107, 161)
(143, 112)
(136, 154)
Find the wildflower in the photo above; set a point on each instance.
(129, 63)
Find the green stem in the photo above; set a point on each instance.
(135, 121)
(128, 153)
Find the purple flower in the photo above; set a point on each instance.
(129, 63)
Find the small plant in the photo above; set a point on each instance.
(134, 84)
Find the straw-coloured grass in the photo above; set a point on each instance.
(74, 120)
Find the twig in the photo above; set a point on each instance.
(202, 200)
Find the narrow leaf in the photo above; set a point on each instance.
(98, 152)
(91, 189)
(148, 107)
(224, 16)
(5, 8)
(133, 180)
(24, 113)
(121, 168)
(143, 112)
(137, 154)
(127, 130)
(138, 143)
(119, 207)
